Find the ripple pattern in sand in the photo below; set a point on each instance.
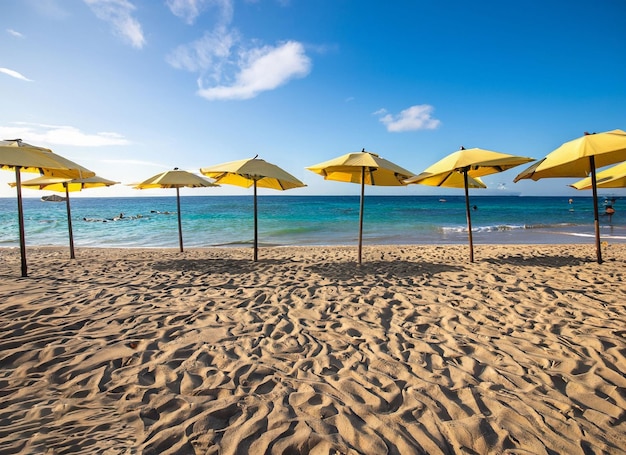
(413, 352)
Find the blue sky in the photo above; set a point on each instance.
(130, 88)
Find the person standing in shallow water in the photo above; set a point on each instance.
(609, 211)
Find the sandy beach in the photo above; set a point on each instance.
(125, 351)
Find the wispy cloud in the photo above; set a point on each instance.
(41, 134)
(227, 67)
(53, 9)
(119, 14)
(14, 74)
(209, 53)
(417, 117)
(14, 33)
(189, 10)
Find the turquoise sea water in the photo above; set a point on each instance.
(308, 220)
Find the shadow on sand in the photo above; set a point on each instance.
(540, 261)
(393, 268)
(330, 269)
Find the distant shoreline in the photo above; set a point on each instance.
(164, 194)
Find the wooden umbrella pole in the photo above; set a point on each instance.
(180, 224)
(69, 220)
(256, 227)
(20, 216)
(596, 215)
(361, 213)
(469, 217)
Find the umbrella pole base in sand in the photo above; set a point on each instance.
(594, 188)
(20, 215)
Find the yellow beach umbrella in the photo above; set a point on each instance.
(253, 172)
(580, 158)
(463, 169)
(65, 185)
(20, 156)
(613, 177)
(450, 180)
(175, 179)
(365, 168)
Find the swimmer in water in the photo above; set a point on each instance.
(609, 211)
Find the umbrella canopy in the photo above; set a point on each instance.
(175, 179)
(63, 185)
(580, 158)
(16, 154)
(66, 185)
(19, 156)
(476, 161)
(450, 180)
(463, 169)
(365, 168)
(253, 172)
(574, 158)
(613, 177)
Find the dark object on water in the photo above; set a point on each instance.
(53, 198)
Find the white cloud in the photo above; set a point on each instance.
(189, 10)
(14, 74)
(14, 33)
(119, 14)
(260, 70)
(228, 68)
(50, 135)
(414, 118)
